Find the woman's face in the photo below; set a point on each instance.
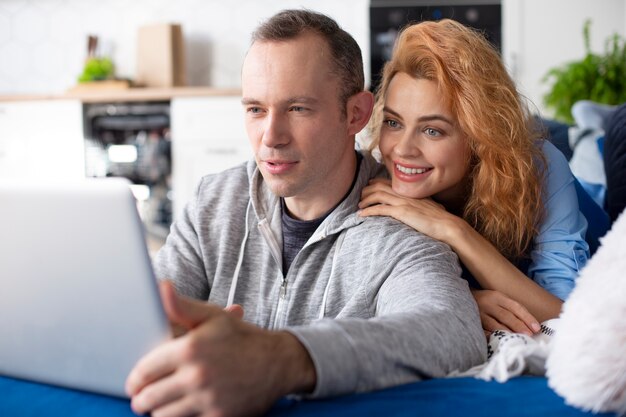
(422, 146)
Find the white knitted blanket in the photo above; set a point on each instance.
(513, 354)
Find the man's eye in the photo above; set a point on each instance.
(297, 109)
(254, 110)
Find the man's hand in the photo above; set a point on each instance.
(236, 310)
(499, 312)
(221, 366)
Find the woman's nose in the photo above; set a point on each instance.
(408, 145)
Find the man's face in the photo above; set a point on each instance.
(294, 118)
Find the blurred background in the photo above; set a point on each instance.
(149, 89)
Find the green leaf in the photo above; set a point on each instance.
(97, 69)
(600, 78)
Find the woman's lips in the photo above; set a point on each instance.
(410, 174)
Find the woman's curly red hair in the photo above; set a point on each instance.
(507, 167)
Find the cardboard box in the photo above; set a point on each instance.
(160, 56)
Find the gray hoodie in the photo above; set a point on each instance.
(374, 302)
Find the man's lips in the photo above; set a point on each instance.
(275, 166)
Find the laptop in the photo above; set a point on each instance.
(79, 303)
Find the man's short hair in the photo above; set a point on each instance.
(345, 52)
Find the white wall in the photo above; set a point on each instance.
(43, 42)
(541, 34)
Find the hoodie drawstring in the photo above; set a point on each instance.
(332, 269)
(233, 285)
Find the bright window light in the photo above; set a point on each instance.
(141, 192)
(122, 153)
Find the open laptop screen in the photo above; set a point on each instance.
(78, 299)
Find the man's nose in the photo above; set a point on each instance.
(276, 132)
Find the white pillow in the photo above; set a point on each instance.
(587, 361)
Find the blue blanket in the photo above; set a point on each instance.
(523, 396)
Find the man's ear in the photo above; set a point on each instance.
(358, 111)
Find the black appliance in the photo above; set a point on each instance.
(132, 140)
(388, 17)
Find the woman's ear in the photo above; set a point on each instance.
(358, 111)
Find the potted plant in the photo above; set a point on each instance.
(599, 78)
(98, 72)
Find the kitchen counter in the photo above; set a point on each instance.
(127, 95)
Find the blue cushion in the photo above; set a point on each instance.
(597, 219)
(524, 396)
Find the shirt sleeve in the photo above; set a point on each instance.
(560, 249)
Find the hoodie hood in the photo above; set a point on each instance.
(266, 204)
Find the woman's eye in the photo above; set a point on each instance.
(391, 123)
(432, 132)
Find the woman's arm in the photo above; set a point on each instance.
(559, 249)
(492, 270)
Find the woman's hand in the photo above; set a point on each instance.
(499, 312)
(423, 215)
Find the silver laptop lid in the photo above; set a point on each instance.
(79, 303)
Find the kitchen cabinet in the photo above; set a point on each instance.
(44, 138)
(208, 136)
(41, 140)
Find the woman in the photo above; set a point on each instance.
(467, 168)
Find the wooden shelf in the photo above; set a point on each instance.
(128, 95)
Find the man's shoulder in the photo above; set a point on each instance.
(224, 190)
(386, 233)
(386, 225)
(234, 175)
(233, 180)
(385, 244)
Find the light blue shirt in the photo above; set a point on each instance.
(559, 250)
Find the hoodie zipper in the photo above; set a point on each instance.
(266, 231)
(276, 253)
(282, 293)
(282, 299)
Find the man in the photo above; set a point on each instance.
(333, 303)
